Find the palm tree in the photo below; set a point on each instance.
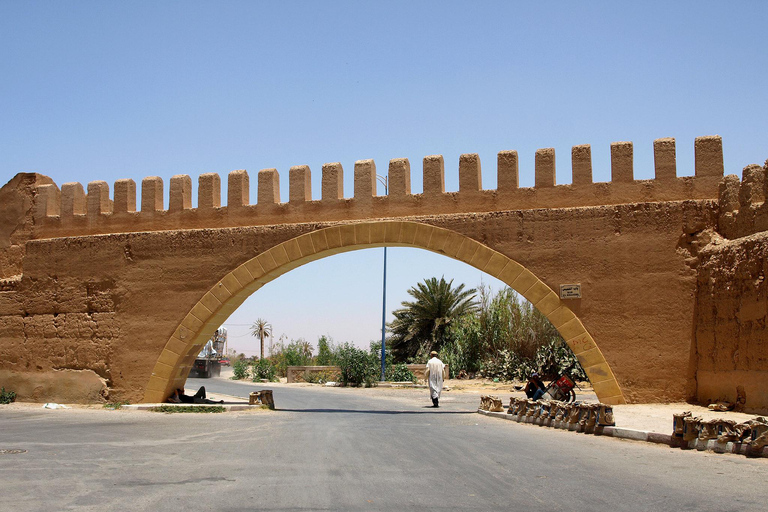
(420, 326)
(261, 329)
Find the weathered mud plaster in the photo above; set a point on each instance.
(62, 386)
(130, 293)
(732, 297)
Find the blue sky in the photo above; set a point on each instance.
(108, 90)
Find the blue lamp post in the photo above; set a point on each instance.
(384, 180)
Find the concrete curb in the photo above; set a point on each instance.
(639, 435)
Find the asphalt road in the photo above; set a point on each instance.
(341, 449)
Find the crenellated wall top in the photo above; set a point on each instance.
(77, 210)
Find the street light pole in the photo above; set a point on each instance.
(384, 180)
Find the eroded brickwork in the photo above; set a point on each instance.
(732, 296)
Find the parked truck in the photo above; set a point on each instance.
(208, 360)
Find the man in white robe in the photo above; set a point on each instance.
(434, 374)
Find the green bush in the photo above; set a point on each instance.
(357, 365)
(7, 397)
(550, 361)
(325, 354)
(240, 369)
(296, 353)
(263, 369)
(399, 373)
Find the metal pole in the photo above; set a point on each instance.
(384, 180)
(383, 317)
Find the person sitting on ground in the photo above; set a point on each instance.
(535, 387)
(179, 397)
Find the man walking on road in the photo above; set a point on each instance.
(434, 374)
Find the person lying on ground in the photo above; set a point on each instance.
(179, 397)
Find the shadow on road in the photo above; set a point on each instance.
(365, 411)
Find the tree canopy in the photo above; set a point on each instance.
(421, 325)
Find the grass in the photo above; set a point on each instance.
(171, 409)
(113, 406)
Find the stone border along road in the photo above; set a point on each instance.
(656, 437)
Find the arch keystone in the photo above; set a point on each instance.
(362, 234)
(407, 233)
(347, 233)
(378, 232)
(392, 234)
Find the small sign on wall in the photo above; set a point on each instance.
(570, 291)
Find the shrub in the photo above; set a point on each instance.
(296, 353)
(240, 369)
(263, 369)
(325, 355)
(7, 397)
(399, 373)
(550, 361)
(357, 365)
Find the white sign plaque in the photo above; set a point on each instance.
(570, 291)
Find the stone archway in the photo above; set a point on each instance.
(216, 305)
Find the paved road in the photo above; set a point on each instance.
(337, 449)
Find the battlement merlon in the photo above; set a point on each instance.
(71, 211)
